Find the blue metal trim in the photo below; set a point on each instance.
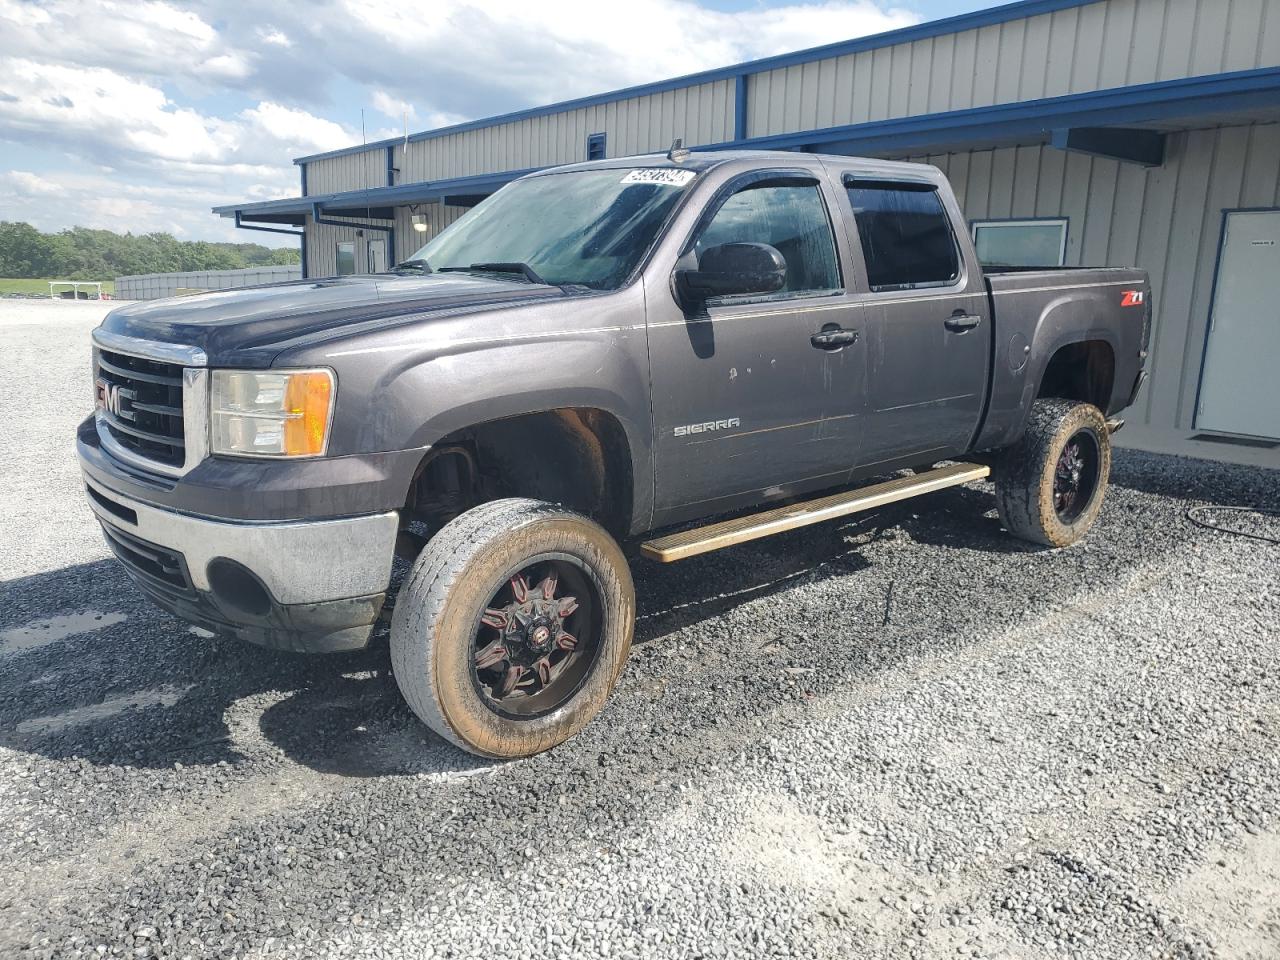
(253, 226)
(1126, 144)
(740, 107)
(1167, 99)
(923, 31)
(303, 168)
(300, 234)
(1213, 300)
(399, 195)
(391, 165)
(1163, 100)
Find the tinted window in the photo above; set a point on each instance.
(906, 237)
(791, 218)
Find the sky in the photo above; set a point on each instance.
(140, 115)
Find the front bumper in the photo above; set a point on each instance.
(300, 585)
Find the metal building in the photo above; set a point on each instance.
(1081, 132)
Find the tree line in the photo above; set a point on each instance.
(84, 254)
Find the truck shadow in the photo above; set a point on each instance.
(138, 688)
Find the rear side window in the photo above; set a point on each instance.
(906, 236)
(790, 217)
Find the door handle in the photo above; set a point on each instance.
(833, 338)
(961, 322)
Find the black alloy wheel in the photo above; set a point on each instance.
(538, 638)
(1075, 477)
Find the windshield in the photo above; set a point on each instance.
(590, 227)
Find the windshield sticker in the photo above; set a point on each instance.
(663, 176)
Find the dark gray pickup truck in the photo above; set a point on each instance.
(675, 352)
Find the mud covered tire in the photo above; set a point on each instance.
(1025, 473)
(434, 627)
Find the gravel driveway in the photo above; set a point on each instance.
(904, 736)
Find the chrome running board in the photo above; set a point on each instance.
(726, 533)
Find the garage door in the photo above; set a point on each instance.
(1240, 385)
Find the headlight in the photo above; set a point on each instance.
(271, 413)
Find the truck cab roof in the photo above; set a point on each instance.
(702, 161)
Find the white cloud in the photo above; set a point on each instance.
(108, 116)
(390, 106)
(152, 38)
(168, 108)
(502, 54)
(274, 37)
(55, 201)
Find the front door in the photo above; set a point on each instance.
(928, 329)
(739, 394)
(1239, 390)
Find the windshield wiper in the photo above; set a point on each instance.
(510, 267)
(419, 265)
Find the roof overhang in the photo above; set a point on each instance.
(1170, 104)
(1245, 96)
(375, 203)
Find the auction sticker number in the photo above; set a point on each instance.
(663, 176)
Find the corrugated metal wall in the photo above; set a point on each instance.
(1112, 44)
(322, 250)
(409, 240)
(322, 239)
(152, 286)
(700, 114)
(1165, 219)
(353, 171)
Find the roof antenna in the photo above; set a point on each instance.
(678, 152)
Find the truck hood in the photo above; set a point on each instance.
(251, 325)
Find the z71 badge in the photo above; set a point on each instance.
(711, 426)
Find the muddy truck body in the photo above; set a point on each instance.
(642, 358)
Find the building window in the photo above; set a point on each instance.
(346, 258)
(595, 146)
(906, 237)
(1021, 243)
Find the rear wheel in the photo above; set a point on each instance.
(512, 627)
(1050, 485)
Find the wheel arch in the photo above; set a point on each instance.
(1082, 369)
(581, 457)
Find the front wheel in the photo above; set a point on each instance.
(1050, 484)
(513, 627)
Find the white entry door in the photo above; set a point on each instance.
(377, 256)
(1239, 389)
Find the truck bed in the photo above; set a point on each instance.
(1039, 311)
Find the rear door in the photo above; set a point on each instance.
(928, 324)
(739, 393)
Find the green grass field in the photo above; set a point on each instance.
(39, 287)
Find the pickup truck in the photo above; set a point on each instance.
(647, 357)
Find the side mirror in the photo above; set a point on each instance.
(732, 269)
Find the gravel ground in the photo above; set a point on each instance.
(904, 736)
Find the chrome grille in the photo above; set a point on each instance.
(140, 404)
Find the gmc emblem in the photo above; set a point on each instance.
(108, 395)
